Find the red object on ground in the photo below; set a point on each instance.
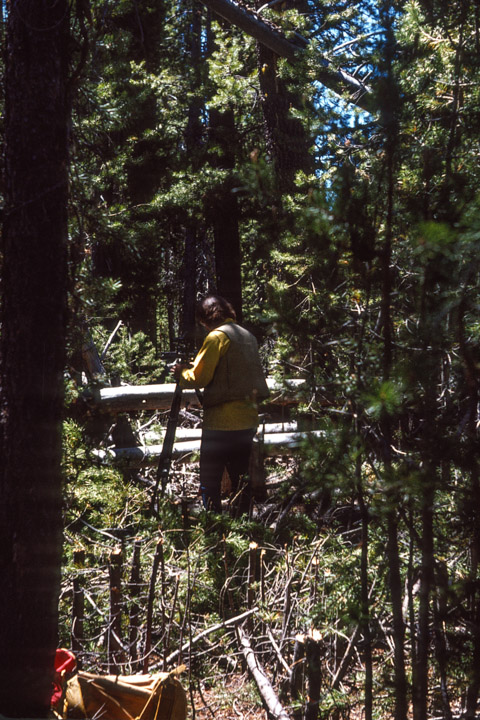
(65, 662)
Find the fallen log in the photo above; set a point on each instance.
(153, 438)
(269, 696)
(272, 445)
(129, 398)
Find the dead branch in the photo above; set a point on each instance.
(269, 696)
(268, 35)
(342, 668)
(128, 398)
(278, 652)
(115, 641)
(133, 457)
(151, 597)
(205, 633)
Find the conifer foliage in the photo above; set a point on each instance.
(348, 239)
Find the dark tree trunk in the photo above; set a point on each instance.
(32, 350)
(474, 670)
(78, 606)
(187, 315)
(194, 150)
(189, 273)
(225, 213)
(389, 109)
(313, 653)
(285, 136)
(420, 704)
(134, 616)
(227, 251)
(114, 635)
(365, 602)
(393, 556)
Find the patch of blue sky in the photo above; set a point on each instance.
(351, 48)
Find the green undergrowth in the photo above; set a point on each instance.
(302, 564)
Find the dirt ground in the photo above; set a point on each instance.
(235, 700)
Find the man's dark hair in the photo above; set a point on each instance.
(214, 309)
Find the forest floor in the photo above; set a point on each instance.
(234, 700)
(234, 695)
(305, 552)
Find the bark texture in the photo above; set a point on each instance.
(32, 350)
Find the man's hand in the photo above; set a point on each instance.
(177, 369)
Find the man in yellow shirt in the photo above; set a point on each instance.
(228, 367)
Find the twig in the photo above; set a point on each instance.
(93, 604)
(238, 712)
(345, 660)
(212, 712)
(110, 339)
(277, 651)
(151, 597)
(170, 620)
(205, 633)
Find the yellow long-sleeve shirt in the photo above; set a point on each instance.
(233, 415)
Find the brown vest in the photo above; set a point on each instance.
(239, 374)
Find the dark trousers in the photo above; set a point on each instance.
(228, 449)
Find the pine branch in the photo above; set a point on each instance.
(267, 34)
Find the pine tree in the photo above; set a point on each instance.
(34, 274)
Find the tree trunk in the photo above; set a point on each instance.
(285, 136)
(187, 314)
(130, 398)
(389, 118)
(474, 670)
(420, 710)
(398, 624)
(114, 635)
(193, 146)
(227, 252)
(32, 350)
(313, 653)
(286, 444)
(225, 214)
(134, 587)
(365, 602)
